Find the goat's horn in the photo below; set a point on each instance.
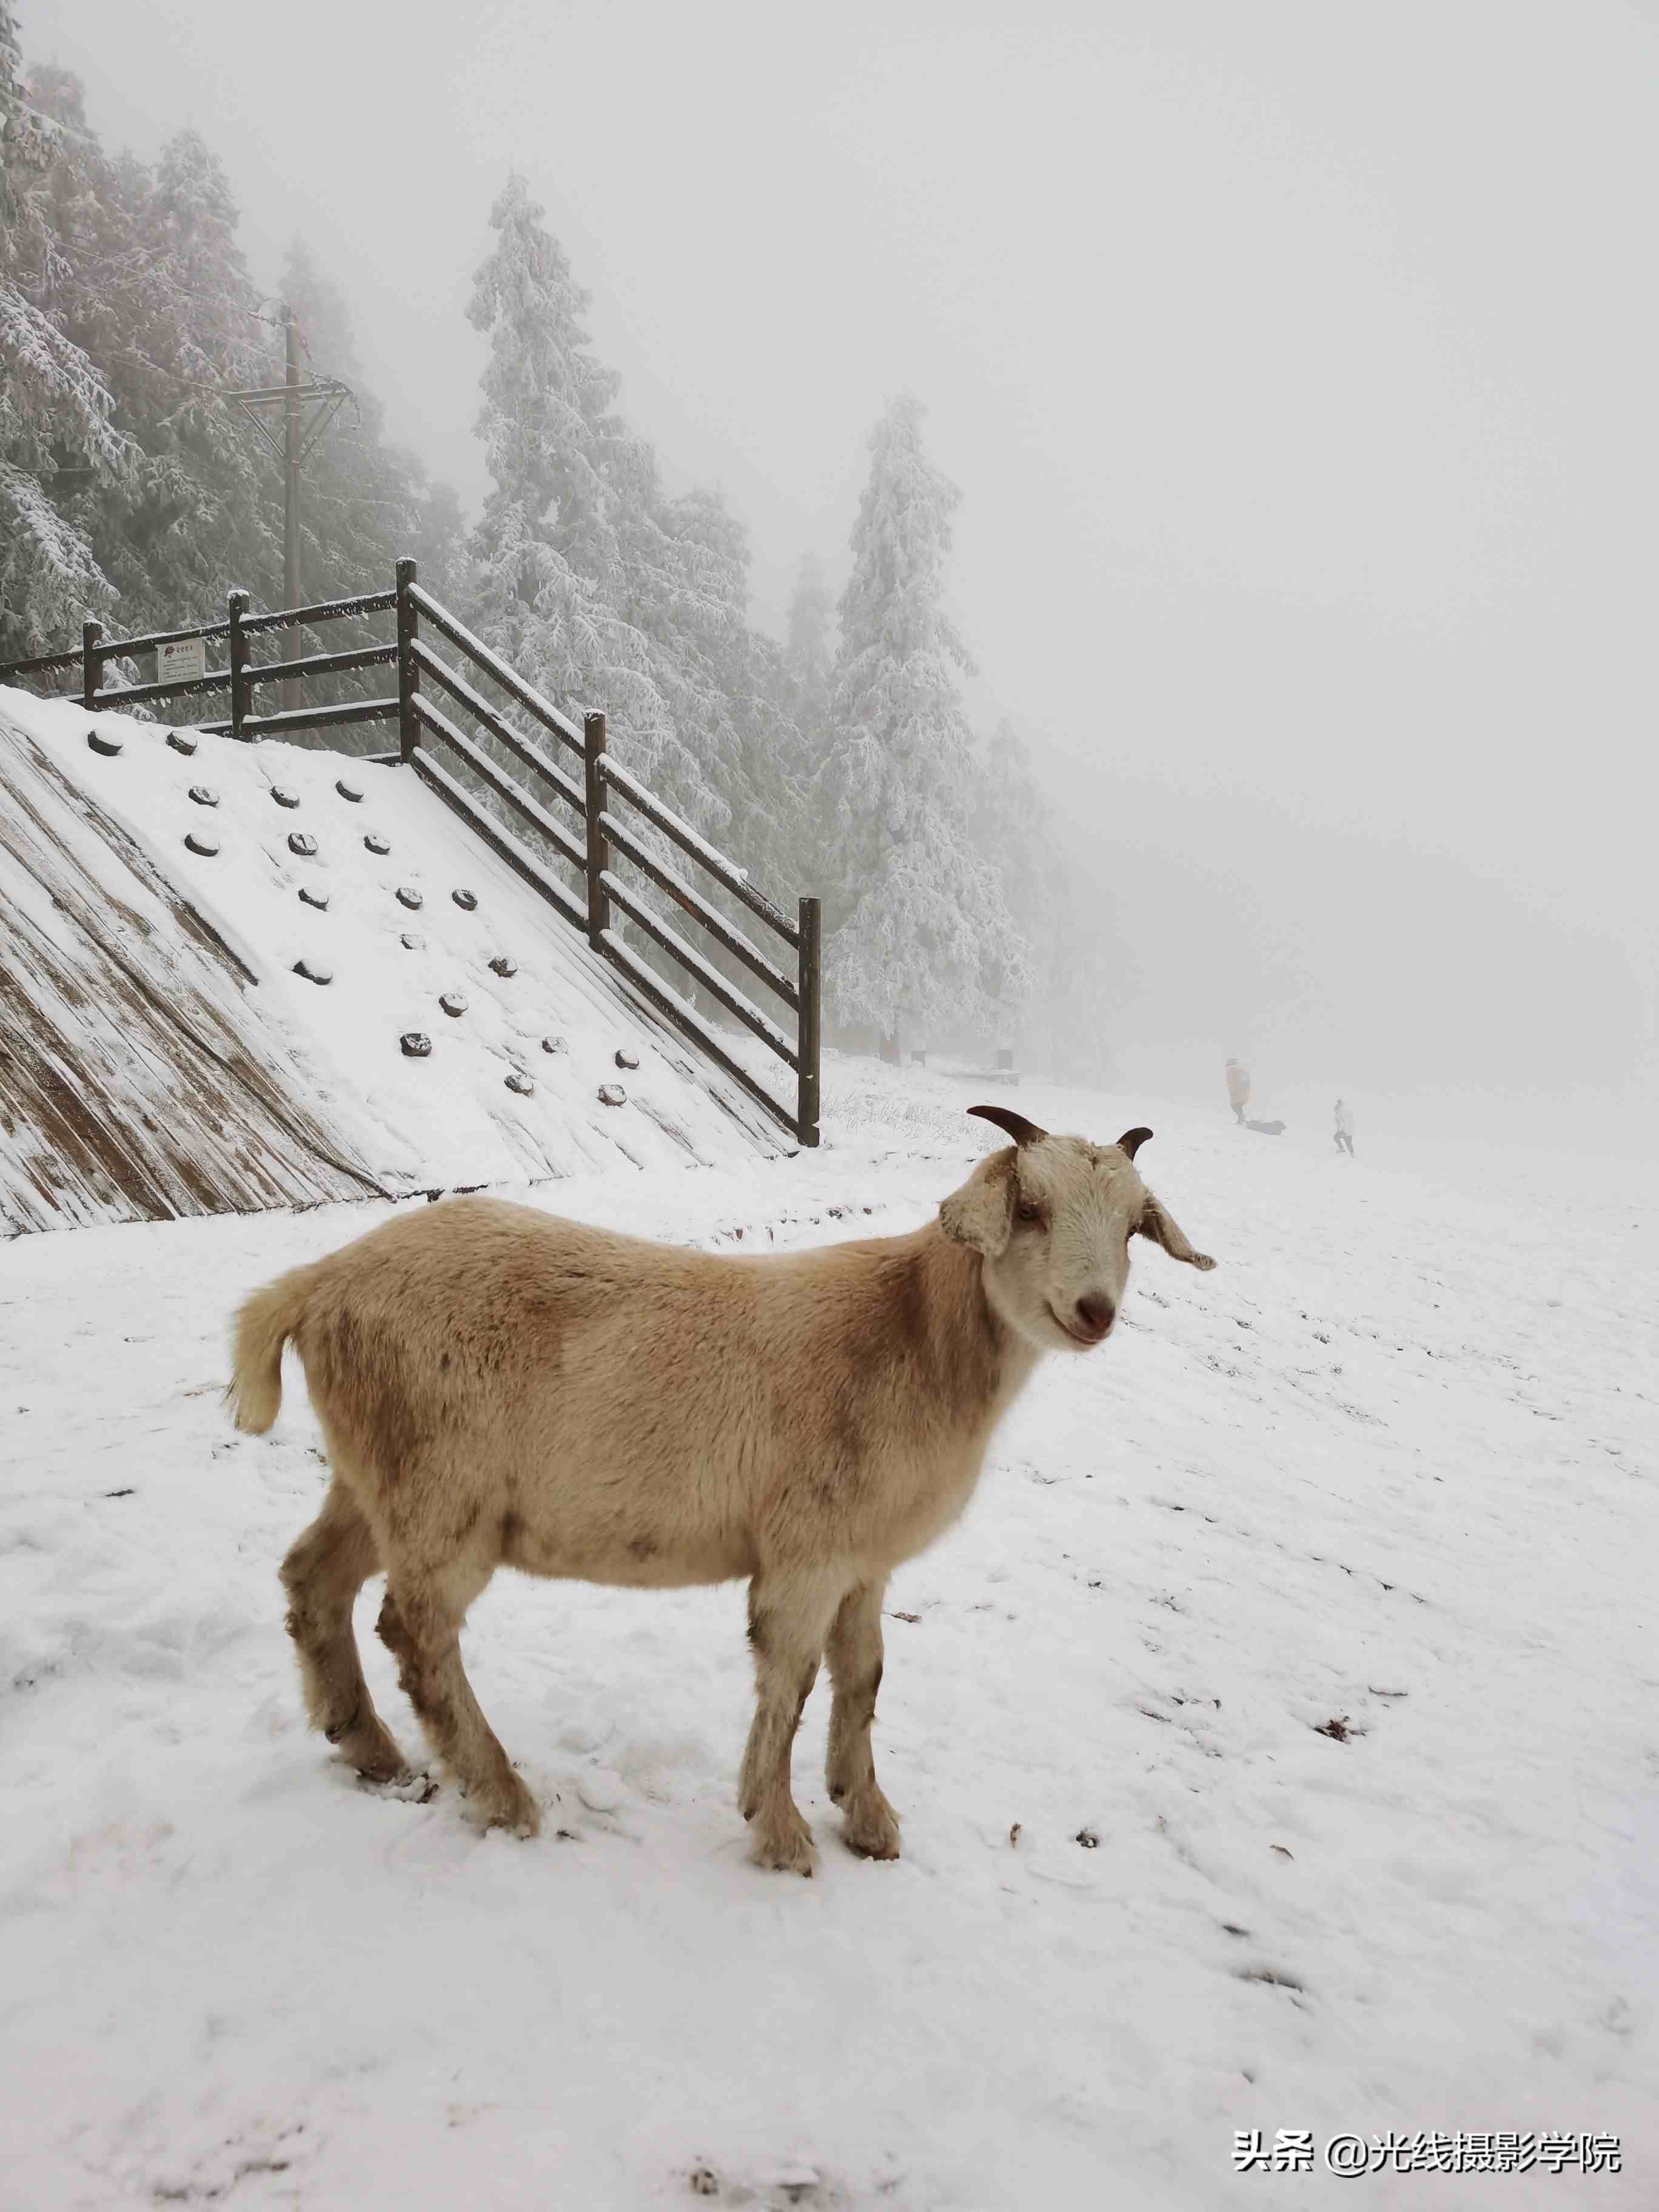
(1015, 1125)
(1132, 1140)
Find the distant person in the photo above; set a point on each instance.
(1345, 1129)
(1238, 1089)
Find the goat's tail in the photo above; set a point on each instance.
(263, 1325)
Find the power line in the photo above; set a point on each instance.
(52, 123)
(190, 383)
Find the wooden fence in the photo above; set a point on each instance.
(607, 801)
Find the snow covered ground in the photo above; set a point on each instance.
(1389, 1467)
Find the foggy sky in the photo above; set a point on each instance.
(1298, 362)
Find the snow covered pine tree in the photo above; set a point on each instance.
(920, 934)
(55, 407)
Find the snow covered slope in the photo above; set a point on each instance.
(164, 1057)
(1275, 1742)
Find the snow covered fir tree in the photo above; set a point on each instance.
(920, 935)
(838, 761)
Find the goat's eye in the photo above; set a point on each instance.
(1028, 1210)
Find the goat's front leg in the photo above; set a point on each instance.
(854, 1654)
(789, 1615)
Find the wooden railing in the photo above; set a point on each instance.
(239, 676)
(594, 792)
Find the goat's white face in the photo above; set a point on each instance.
(1053, 1217)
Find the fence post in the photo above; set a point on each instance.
(408, 673)
(806, 1028)
(92, 666)
(236, 607)
(598, 849)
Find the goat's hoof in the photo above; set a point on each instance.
(513, 1809)
(372, 1751)
(873, 1828)
(375, 1764)
(411, 1785)
(786, 1846)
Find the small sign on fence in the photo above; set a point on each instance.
(182, 662)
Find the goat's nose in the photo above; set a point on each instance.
(1096, 1314)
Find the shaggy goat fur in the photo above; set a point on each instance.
(498, 1387)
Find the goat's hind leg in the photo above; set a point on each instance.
(420, 1625)
(322, 1575)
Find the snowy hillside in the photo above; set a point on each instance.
(1275, 1744)
(312, 912)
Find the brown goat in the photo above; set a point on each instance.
(498, 1387)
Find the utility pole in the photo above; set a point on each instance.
(325, 395)
(292, 595)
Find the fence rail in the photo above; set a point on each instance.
(241, 675)
(426, 731)
(481, 655)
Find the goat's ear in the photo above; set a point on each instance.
(1162, 1228)
(982, 1213)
